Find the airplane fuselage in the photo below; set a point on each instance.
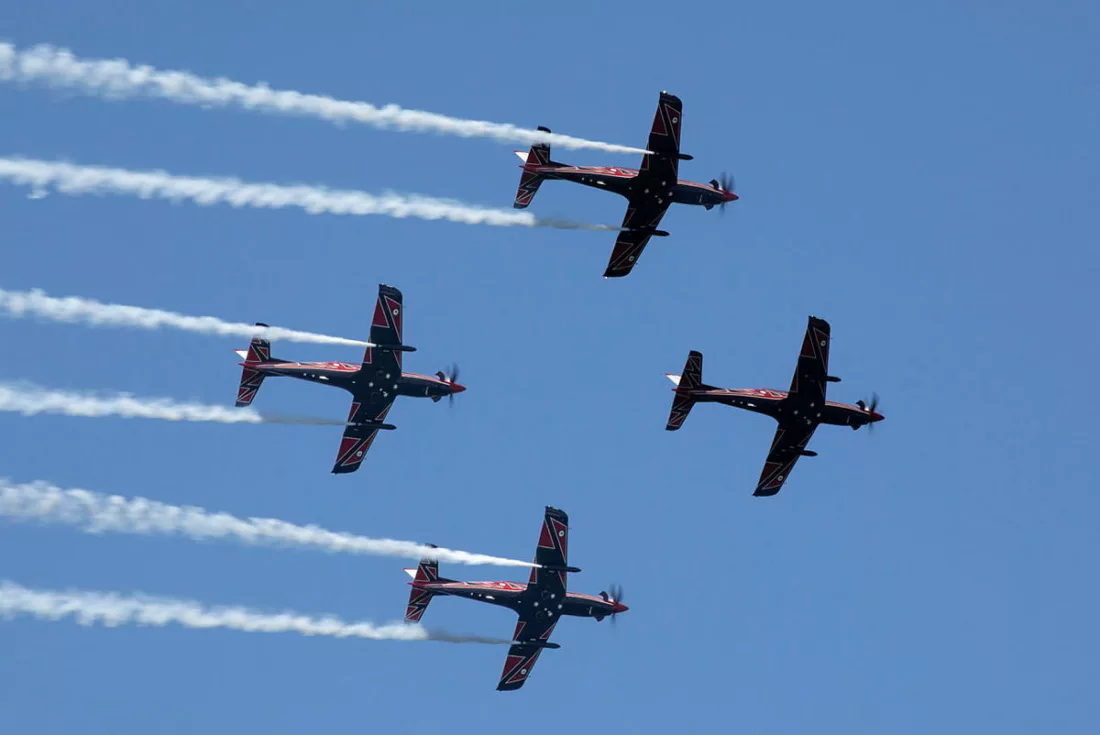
(779, 404)
(625, 182)
(357, 379)
(515, 596)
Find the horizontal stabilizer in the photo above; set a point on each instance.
(551, 568)
(522, 155)
(687, 383)
(426, 572)
(259, 350)
(529, 181)
(394, 348)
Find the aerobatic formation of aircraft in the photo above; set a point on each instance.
(374, 384)
(649, 190)
(799, 410)
(540, 603)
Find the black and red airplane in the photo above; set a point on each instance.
(374, 384)
(649, 190)
(539, 603)
(799, 411)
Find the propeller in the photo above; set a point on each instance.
(871, 407)
(450, 376)
(616, 595)
(725, 183)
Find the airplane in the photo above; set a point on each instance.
(799, 411)
(649, 191)
(539, 603)
(374, 384)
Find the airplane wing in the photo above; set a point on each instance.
(380, 372)
(537, 620)
(657, 176)
(367, 409)
(385, 329)
(522, 656)
(790, 439)
(640, 212)
(552, 551)
(813, 361)
(663, 164)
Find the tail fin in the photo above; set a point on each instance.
(259, 351)
(690, 380)
(529, 181)
(426, 572)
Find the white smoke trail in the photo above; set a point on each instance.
(96, 513)
(31, 400)
(117, 78)
(72, 179)
(75, 309)
(112, 610)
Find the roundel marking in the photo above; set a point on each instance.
(561, 533)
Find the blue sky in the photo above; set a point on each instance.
(924, 176)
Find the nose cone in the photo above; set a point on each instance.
(729, 196)
(620, 607)
(876, 416)
(456, 388)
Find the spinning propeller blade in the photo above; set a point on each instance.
(870, 408)
(616, 594)
(874, 408)
(450, 376)
(726, 184)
